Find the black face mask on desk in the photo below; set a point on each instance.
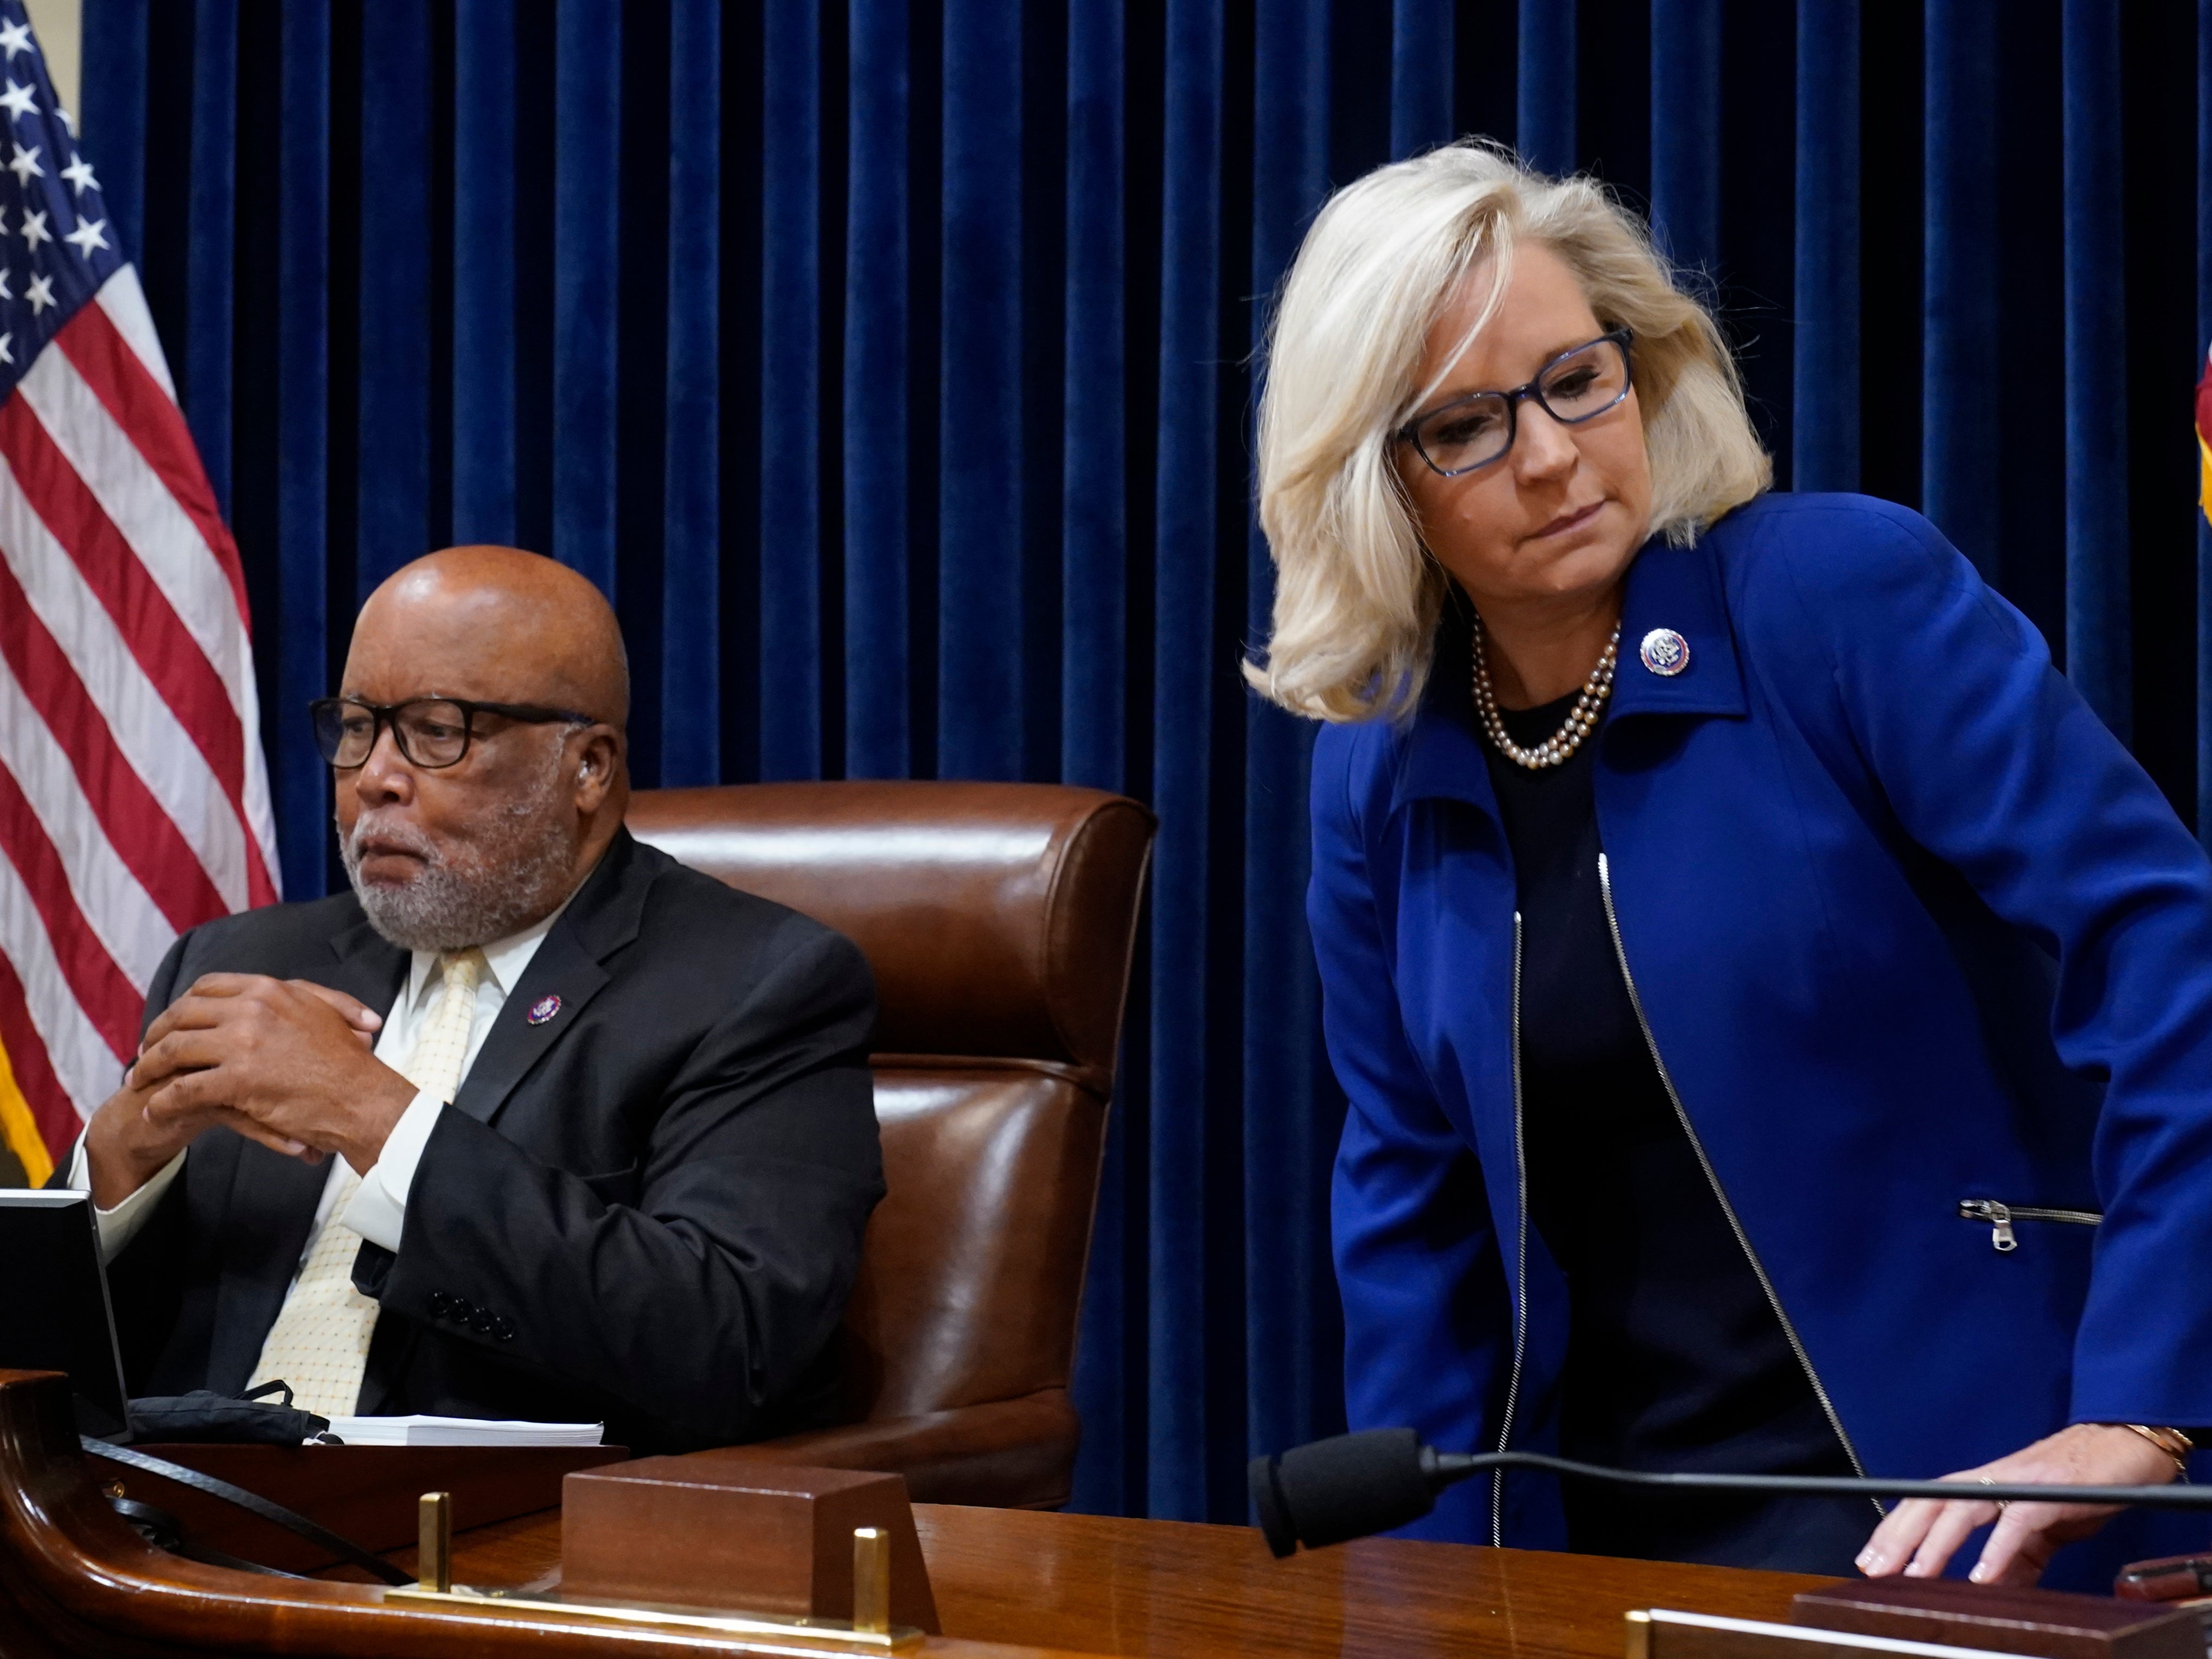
(203, 1419)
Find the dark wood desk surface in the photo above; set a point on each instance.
(76, 1582)
(1099, 1584)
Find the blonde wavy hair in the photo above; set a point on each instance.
(1357, 595)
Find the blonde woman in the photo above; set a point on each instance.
(1776, 1016)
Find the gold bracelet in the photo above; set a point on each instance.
(2175, 1444)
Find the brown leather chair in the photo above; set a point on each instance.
(999, 919)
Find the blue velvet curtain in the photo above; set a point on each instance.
(890, 362)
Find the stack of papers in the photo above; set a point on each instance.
(462, 1431)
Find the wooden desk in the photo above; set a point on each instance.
(75, 1580)
(1169, 1588)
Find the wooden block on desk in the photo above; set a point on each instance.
(2050, 1624)
(364, 1493)
(713, 1530)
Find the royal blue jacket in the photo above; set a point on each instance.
(1908, 928)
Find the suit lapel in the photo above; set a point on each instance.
(561, 980)
(562, 969)
(272, 1199)
(370, 969)
(272, 1206)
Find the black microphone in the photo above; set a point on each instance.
(1352, 1485)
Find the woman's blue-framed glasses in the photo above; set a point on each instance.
(1470, 432)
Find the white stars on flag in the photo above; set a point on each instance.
(49, 195)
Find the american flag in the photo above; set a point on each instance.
(134, 802)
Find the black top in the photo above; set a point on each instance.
(1675, 1357)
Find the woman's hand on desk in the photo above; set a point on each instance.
(1920, 1535)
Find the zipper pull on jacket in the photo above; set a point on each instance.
(2001, 1237)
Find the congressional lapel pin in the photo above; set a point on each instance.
(1664, 653)
(543, 1010)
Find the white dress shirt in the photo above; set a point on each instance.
(378, 1211)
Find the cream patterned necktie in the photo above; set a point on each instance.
(319, 1343)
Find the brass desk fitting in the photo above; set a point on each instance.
(870, 1631)
(872, 1581)
(434, 1552)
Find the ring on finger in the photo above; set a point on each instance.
(1990, 1481)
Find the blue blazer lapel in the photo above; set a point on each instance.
(1677, 589)
(1439, 752)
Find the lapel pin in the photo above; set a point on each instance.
(543, 1010)
(1664, 653)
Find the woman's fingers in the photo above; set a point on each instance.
(1951, 1528)
(2028, 1536)
(2018, 1547)
(1921, 1536)
(1898, 1537)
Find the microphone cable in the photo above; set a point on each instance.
(1354, 1485)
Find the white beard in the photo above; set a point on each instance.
(483, 889)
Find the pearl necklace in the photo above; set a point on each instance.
(1580, 722)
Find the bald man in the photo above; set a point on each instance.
(533, 1122)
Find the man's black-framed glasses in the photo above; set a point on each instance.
(1578, 385)
(431, 732)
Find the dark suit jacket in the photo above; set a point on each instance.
(646, 1210)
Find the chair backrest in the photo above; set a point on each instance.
(998, 920)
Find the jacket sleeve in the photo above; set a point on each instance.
(1427, 1321)
(145, 1279)
(698, 1285)
(1992, 762)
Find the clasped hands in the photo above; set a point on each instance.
(1920, 1536)
(283, 1062)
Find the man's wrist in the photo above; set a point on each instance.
(379, 1115)
(378, 1211)
(119, 1166)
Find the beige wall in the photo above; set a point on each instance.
(59, 25)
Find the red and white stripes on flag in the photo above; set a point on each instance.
(134, 802)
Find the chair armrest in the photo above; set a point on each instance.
(1006, 1454)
